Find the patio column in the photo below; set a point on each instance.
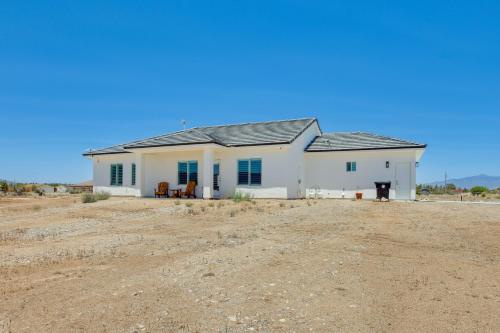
(208, 173)
(139, 175)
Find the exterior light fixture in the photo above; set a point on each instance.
(387, 164)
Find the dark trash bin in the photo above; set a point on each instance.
(383, 190)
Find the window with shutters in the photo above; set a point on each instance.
(187, 171)
(116, 174)
(250, 172)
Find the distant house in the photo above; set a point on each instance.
(277, 159)
(81, 187)
(48, 189)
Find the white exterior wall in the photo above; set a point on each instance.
(102, 174)
(287, 171)
(283, 168)
(326, 175)
(296, 167)
(277, 167)
(275, 180)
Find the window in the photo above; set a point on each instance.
(250, 172)
(133, 174)
(350, 167)
(216, 176)
(116, 175)
(187, 171)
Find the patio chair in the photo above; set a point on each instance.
(162, 190)
(190, 190)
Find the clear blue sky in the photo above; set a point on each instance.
(95, 73)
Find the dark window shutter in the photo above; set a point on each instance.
(243, 172)
(113, 174)
(193, 171)
(182, 173)
(120, 174)
(133, 174)
(255, 172)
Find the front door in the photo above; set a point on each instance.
(403, 181)
(217, 180)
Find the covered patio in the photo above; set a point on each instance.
(178, 165)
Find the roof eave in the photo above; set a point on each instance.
(109, 153)
(260, 144)
(364, 149)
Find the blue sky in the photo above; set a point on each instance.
(95, 73)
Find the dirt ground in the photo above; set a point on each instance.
(146, 265)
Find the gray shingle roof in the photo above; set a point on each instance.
(358, 141)
(248, 134)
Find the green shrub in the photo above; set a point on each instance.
(88, 198)
(4, 186)
(476, 190)
(239, 196)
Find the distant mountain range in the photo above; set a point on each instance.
(492, 182)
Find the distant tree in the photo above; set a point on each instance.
(476, 190)
(451, 187)
(4, 186)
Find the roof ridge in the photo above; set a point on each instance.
(257, 122)
(197, 130)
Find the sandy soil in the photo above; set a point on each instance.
(145, 265)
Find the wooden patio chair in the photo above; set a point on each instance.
(162, 190)
(190, 190)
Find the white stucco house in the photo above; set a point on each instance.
(277, 159)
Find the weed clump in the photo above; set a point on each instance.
(102, 195)
(93, 197)
(88, 198)
(239, 197)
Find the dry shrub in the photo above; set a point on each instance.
(93, 197)
(88, 198)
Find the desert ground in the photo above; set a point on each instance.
(154, 265)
